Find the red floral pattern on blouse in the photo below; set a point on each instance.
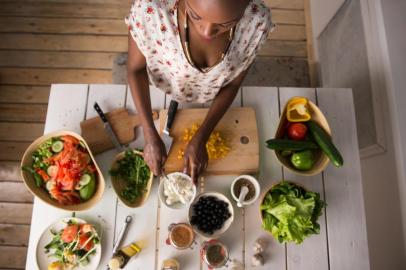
(154, 27)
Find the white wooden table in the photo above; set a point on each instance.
(341, 244)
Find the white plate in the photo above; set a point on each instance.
(42, 258)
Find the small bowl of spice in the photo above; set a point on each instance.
(251, 187)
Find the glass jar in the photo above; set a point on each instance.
(181, 236)
(214, 253)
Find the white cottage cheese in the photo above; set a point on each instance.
(177, 189)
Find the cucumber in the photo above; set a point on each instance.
(85, 179)
(290, 145)
(87, 191)
(57, 146)
(52, 171)
(326, 144)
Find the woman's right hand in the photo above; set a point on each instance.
(154, 153)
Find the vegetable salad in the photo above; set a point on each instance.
(72, 246)
(64, 168)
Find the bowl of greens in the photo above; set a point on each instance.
(290, 213)
(131, 178)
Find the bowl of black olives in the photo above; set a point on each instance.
(211, 214)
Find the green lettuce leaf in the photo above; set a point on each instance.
(290, 213)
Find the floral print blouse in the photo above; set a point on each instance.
(154, 27)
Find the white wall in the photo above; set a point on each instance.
(322, 11)
(384, 175)
(394, 22)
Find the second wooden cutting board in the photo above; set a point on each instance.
(238, 126)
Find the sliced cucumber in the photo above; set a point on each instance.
(57, 146)
(87, 191)
(85, 179)
(52, 171)
(50, 185)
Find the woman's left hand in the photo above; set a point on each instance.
(196, 158)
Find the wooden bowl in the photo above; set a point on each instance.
(321, 160)
(41, 193)
(119, 184)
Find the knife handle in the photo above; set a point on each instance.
(173, 107)
(99, 112)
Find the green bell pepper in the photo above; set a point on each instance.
(303, 160)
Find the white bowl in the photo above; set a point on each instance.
(226, 224)
(162, 196)
(254, 182)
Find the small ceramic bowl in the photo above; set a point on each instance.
(119, 184)
(226, 224)
(40, 192)
(321, 160)
(162, 196)
(256, 186)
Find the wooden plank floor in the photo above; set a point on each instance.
(72, 41)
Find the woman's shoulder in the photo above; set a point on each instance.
(260, 12)
(151, 4)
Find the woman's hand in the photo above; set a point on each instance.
(196, 158)
(154, 153)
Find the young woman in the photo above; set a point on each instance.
(195, 51)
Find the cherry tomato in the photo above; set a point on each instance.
(69, 233)
(297, 131)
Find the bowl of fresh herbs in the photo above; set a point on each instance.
(131, 178)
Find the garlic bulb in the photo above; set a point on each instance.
(259, 246)
(257, 260)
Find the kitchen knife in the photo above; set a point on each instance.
(107, 127)
(166, 137)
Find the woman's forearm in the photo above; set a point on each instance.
(137, 76)
(138, 81)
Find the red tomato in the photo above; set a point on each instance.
(297, 131)
(85, 228)
(82, 240)
(69, 233)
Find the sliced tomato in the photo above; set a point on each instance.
(70, 140)
(69, 233)
(85, 228)
(83, 238)
(43, 174)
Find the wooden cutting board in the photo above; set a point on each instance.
(238, 126)
(122, 123)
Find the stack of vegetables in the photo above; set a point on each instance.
(303, 138)
(64, 168)
(290, 213)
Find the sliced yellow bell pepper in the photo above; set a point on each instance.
(297, 110)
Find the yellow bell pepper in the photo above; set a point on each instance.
(297, 110)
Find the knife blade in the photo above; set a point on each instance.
(166, 137)
(107, 127)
